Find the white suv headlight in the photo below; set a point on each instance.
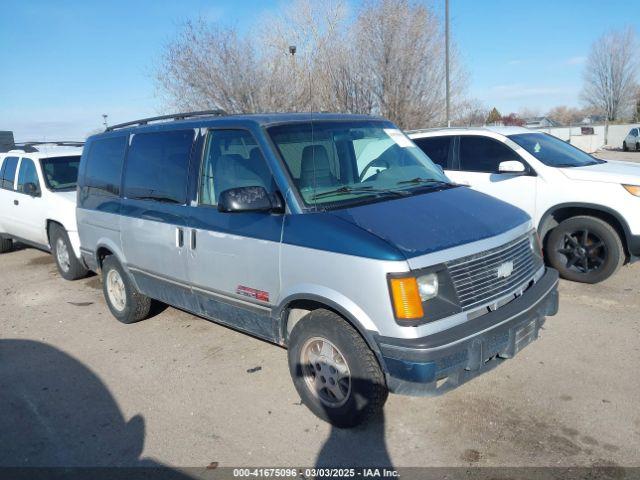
(428, 286)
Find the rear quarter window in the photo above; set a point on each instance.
(8, 172)
(436, 148)
(103, 169)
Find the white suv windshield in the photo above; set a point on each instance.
(339, 163)
(552, 151)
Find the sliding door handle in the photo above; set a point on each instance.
(193, 239)
(179, 237)
(16, 202)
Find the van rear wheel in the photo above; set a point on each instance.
(124, 301)
(5, 244)
(334, 371)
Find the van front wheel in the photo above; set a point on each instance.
(125, 302)
(334, 371)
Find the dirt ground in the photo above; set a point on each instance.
(79, 388)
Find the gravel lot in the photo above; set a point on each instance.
(78, 388)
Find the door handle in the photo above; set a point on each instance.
(193, 239)
(16, 202)
(179, 237)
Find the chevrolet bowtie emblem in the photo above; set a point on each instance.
(505, 270)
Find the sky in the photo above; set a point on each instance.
(65, 63)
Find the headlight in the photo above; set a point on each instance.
(633, 189)
(423, 296)
(428, 286)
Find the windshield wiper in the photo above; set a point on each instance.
(345, 190)
(424, 180)
(157, 198)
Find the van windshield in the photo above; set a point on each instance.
(61, 173)
(552, 151)
(335, 164)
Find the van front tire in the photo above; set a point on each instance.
(124, 301)
(69, 266)
(334, 371)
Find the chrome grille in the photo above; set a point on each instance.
(476, 277)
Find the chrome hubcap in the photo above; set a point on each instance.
(62, 255)
(325, 371)
(116, 291)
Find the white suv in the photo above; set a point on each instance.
(38, 202)
(587, 210)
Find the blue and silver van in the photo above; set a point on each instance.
(331, 235)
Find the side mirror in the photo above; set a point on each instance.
(31, 188)
(512, 166)
(245, 199)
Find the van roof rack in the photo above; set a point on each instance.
(173, 116)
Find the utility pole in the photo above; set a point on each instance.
(446, 54)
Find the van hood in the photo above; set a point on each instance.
(434, 221)
(608, 172)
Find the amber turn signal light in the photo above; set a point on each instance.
(632, 189)
(406, 298)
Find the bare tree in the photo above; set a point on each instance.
(401, 45)
(208, 66)
(387, 59)
(470, 113)
(566, 115)
(610, 73)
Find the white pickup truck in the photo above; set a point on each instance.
(38, 201)
(587, 210)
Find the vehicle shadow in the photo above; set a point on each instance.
(361, 446)
(56, 413)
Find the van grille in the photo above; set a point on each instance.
(477, 280)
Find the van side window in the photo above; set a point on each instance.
(9, 172)
(157, 166)
(232, 159)
(104, 165)
(27, 174)
(436, 148)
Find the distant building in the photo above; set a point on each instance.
(6, 141)
(592, 119)
(540, 122)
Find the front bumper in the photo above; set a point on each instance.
(437, 363)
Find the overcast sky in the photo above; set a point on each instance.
(64, 63)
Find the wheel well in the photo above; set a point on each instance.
(51, 223)
(101, 254)
(299, 308)
(554, 218)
